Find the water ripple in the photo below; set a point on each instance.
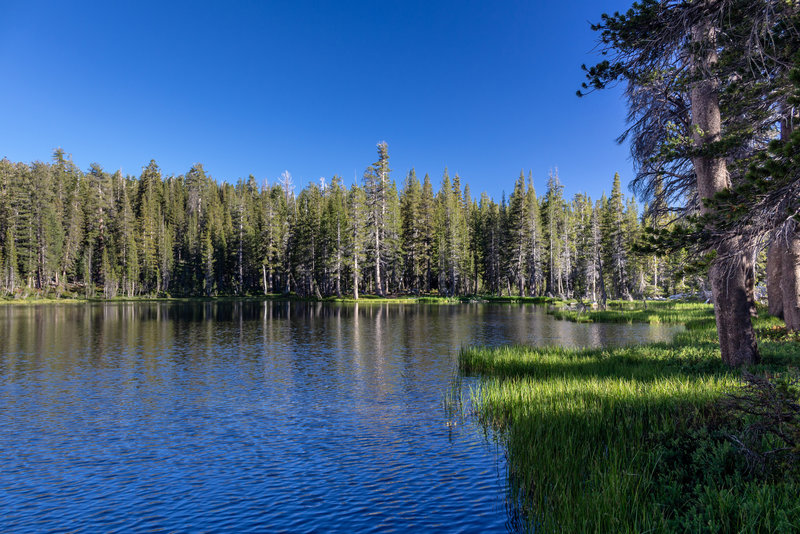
(251, 417)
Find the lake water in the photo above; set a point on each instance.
(254, 416)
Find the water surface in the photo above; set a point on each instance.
(254, 416)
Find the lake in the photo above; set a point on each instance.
(255, 416)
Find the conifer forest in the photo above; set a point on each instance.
(103, 234)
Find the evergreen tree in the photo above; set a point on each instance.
(411, 232)
(533, 239)
(516, 233)
(358, 208)
(427, 216)
(614, 244)
(376, 187)
(553, 224)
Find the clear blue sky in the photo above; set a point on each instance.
(256, 87)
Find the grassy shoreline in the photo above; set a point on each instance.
(636, 438)
(652, 312)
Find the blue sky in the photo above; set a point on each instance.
(256, 87)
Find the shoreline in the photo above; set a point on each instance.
(656, 426)
(366, 299)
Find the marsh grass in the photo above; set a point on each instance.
(74, 297)
(39, 300)
(653, 312)
(631, 439)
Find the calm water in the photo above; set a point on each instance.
(253, 416)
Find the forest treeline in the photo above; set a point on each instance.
(100, 234)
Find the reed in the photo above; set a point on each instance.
(632, 439)
(652, 312)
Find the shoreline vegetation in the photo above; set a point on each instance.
(646, 438)
(363, 299)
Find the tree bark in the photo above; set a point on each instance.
(355, 275)
(790, 278)
(728, 273)
(378, 287)
(750, 284)
(774, 276)
(783, 260)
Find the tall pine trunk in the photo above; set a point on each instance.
(790, 277)
(728, 273)
(355, 277)
(774, 272)
(783, 262)
(378, 288)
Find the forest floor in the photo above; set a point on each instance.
(656, 437)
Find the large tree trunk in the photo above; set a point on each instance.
(774, 276)
(737, 339)
(790, 278)
(728, 273)
(783, 261)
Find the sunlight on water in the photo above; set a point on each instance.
(254, 416)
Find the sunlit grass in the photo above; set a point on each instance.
(629, 439)
(39, 300)
(652, 312)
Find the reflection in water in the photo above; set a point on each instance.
(251, 415)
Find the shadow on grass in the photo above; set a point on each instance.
(629, 439)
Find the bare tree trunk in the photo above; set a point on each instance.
(378, 287)
(355, 275)
(728, 273)
(750, 284)
(603, 294)
(316, 289)
(655, 274)
(790, 278)
(774, 276)
(790, 264)
(338, 259)
(783, 260)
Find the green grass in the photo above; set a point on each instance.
(38, 298)
(656, 312)
(523, 300)
(632, 439)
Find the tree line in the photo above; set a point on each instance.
(100, 234)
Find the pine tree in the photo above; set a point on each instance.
(358, 208)
(411, 232)
(583, 267)
(533, 239)
(614, 243)
(516, 233)
(124, 231)
(444, 235)
(148, 216)
(553, 225)
(427, 220)
(376, 187)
